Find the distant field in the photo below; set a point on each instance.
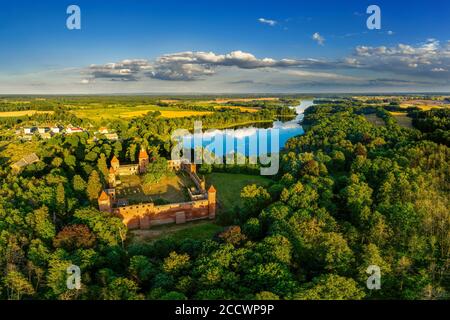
(424, 105)
(182, 114)
(245, 99)
(7, 114)
(229, 186)
(242, 109)
(124, 112)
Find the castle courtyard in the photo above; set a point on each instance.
(170, 189)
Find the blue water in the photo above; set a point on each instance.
(250, 140)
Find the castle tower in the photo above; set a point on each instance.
(202, 185)
(104, 202)
(112, 178)
(115, 164)
(212, 202)
(143, 161)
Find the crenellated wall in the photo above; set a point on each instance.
(144, 216)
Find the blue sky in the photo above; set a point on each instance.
(207, 46)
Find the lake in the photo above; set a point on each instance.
(249, 140)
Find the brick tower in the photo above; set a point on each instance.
(104, 202)
(212, 202)
(115, 164)
(112, 178)
(143, 161)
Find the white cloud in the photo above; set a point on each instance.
(187, 66)
(438, 70)
(318, 38)
(125, 70)
(415, 60)
(422, 64)
(267, 21)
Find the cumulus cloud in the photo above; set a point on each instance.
(318, 38)
(430, 60)
(188, 66)
(125, 70)
(419, 60)
(267, 21)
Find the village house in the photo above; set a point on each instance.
(56, 129)
(103, 130)
(42, 130)
(25, 161)
(112, 136)
(71, 130)
(29, 130)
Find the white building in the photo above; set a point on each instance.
(56, 129)
(71, 130)
(43, 130)
(29, 130)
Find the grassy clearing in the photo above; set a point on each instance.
(13, 152)
(229, 186)
(402, 119)
(23, 113)
(197, 230)
(375, 120)
(169, 188)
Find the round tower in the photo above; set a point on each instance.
(115, 164)
(202, 185)
(104, 202)
(112, 178)
(212, 202)
(143, 161)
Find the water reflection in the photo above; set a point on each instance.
(246, 136)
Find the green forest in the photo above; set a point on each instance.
(349, 194)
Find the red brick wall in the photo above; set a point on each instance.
(146, 215)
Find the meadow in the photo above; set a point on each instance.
(229, 186)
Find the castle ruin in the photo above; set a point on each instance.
(202, 204)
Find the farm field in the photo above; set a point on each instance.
(22, 113)
(229, 186)
(126, 113)
(242, 109)
(424, 105)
